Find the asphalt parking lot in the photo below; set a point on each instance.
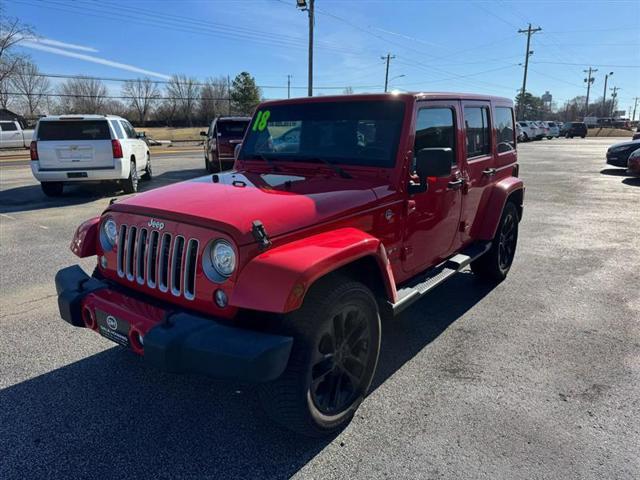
(538, 377)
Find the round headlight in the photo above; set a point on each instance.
(109, 234)
(219, 260)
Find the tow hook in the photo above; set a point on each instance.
(260, 234)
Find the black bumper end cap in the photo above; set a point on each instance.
(72, 285)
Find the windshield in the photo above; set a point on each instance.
(232, 128)
(348, 133)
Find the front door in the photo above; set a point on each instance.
(433, 216)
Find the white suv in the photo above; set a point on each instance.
(88, 148)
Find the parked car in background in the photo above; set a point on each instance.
(618, 154)
(633, 163)
(543, 130)
(553, 130)
(13, 136)
(85, 148)
(574, 129)
(560, 125)
(529, 131)
(280, 271)
(636, 135)
(220, 142)
(519, 134)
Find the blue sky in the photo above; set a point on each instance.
(439, 45)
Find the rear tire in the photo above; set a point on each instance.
(130, 185)
(148, 171)
(213, 165)
(335, 350)
(52, 189)
(496, 263)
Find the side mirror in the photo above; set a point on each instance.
(203, 134)
(236, 151)
(431, 162)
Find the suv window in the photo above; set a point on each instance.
(363, 133)
(476, 120)
(117, 129)
(504, 127)
(8, 127)
(74, 130)
(232, 128)
(128, 129)
(435, 128)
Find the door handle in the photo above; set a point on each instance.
(455, 184)
(489, 172)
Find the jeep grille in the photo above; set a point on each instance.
(160, 260)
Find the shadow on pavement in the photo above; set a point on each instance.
(633, 181)
(31, 197)
(616, 172)
(108, 416)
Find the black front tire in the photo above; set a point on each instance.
(52, 189)
(496, 263)
(130, 185)
(334, 356)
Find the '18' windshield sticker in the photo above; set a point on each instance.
(261, 120)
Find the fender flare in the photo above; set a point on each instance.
(85, 240)
(278, 279)
(501, 191)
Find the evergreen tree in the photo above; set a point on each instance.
(245, 94)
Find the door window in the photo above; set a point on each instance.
(435, 128)
(476, 120)
(131, 133)
(117, 129)
(504, 127)
(8, 127)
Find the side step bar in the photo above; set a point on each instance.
(433, 277)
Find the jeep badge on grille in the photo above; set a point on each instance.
(155, 224)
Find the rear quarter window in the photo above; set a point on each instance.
(8, 127)
(74, 130)
(504, 128)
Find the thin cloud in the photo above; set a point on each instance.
(38, 45)
(56, 43)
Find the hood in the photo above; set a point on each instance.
(629, 143)
(231, 201)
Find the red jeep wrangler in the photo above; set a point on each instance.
(340, 211)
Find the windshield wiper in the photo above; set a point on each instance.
(332, 166)
(260, 156)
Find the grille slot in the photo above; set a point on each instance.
(152, 259)
(176, 265)
(120, 254)
(141, 256)
(131, 247)
(158, 260)
(190, 260)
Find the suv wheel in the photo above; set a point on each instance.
(52, 189)
(130, 185)
(213, 165)
(148, 172)
(336, 341)
(496, 263)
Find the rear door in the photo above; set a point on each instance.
(480, 161)
(135, 145)
(74, 144)
(230, 134)
(11, 135)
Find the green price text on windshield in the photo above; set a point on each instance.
(260, 122)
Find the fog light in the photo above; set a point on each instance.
(221, 298)
(103, 261)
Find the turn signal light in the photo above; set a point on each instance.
(33, 150)
(116, 148)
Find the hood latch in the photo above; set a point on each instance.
(260, 234)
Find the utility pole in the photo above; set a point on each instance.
(635, 105)
(309, 8)
(613, 97)
(288, 86)
(529, 31)
(589, 81)
(229, 93)
(388, 57)
(604, 95)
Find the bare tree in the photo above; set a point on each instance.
(185, 92)
(83, 95)
(214, 98)
(32, 86)
(11, 32)
(143, 94)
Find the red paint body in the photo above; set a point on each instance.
(318, 221)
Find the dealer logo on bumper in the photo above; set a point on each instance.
(112, 323)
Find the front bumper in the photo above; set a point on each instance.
(618, 159)
(173, 341)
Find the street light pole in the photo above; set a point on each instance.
(604, 95)
(309, 8)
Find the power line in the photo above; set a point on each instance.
(593, 64)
